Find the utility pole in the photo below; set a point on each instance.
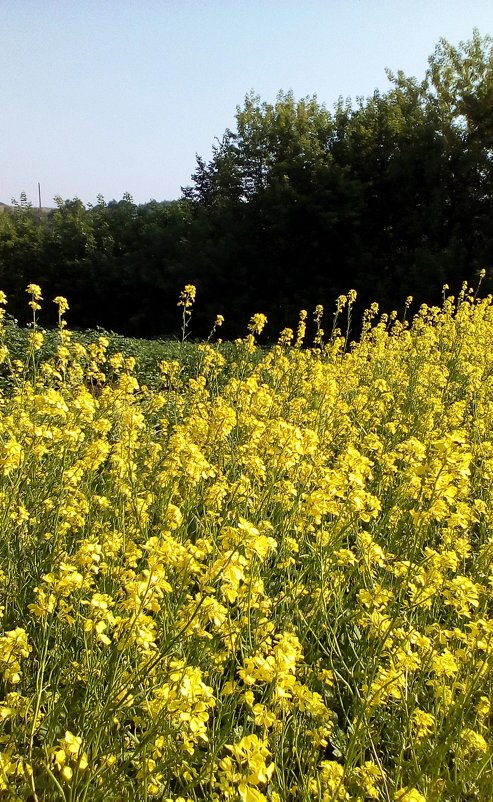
(39, 195)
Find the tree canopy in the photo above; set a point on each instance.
(390, 194)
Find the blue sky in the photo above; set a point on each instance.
(114, 96)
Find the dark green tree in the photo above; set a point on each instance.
(22, 253)
(391, 195)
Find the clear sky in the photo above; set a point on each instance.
(114, 96)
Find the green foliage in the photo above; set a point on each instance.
(147, 353)
(391, 194)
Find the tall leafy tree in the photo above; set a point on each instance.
(22, 252)
(392, 194)
(460, 86)
(278, 206)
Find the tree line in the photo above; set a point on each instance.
(391, 195)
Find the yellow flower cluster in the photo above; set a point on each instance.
(266, 578)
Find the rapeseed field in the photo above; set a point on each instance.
(266, 578)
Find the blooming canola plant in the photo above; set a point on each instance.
(267, 576)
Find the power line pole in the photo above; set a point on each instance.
(39, 195)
